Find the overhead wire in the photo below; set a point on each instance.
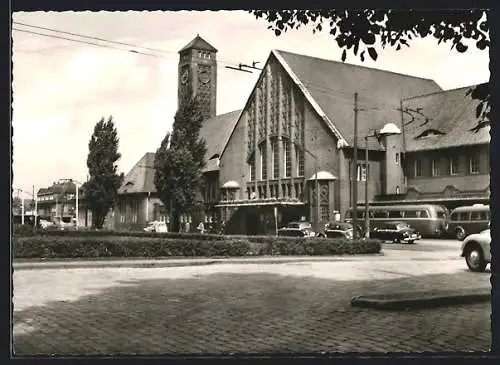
(134, 46)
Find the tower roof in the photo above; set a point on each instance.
(198, 43)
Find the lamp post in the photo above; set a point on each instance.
(387, 130)
(76, 201)
(316, 183)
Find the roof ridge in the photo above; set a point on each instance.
(359, 66)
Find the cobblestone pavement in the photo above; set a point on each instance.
(301, 307)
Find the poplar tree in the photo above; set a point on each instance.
(179, 162)
(101, 190)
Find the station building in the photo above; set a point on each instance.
(289, 151)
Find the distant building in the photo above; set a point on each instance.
(296, 132)
(58, 203)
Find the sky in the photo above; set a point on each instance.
(61, 88)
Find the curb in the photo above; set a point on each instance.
(421, 300)
(159, 263)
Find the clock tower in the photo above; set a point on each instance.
(198, 74)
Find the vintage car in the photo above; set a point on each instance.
(397, 232)
(475, 248)
(340, 230)
(297, 229)
(156, 226)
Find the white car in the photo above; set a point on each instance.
(476, 250)
(156, 226)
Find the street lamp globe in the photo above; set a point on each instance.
(389, 129)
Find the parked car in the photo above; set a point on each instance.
(297, 229)
(340, 230)
(395, 232)
(475, 249)
(156, 226)
(45, 223)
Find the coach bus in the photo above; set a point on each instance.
(430, 220)
(468, 219)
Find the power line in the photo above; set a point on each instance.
(93, 44)
(110, 41)
(83, 41)
(90, 37)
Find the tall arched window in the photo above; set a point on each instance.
(275, 158)
(263, 161)
(251, 167)
(287, 161)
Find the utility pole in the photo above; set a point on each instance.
(402, 124)
(35, 198)
(355, 171)
(22, 210)
(76, 205)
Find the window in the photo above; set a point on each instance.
(464, 216)
(299, 158)
(397, 158)
(454, 217)
(474, 164)
(263, 162)
(380, 214)
(362, 173)
(418, 168)
(475, 216)
(397, 190)
(435, 167)
(395, 214)
(251, 168)
(453, 165)
(410, 214)
(275, 158)
(287, 162)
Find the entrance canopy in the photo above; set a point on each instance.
(323, 175)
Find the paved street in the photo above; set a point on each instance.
(301, 306)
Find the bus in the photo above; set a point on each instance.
(467, 220)
(430, 220)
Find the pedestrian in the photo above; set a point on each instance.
(222, 227)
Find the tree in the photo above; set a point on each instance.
(179, 162)
(102, 187)
(360, 30)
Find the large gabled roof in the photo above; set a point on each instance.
(332, 86)
(199, 43)
(445, 119)
(329, 87)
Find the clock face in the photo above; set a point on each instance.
(204, 77)
(185, 76)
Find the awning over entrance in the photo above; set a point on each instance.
(259, 202)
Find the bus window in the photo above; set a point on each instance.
(454, 217)
(487, 216)
(463, 216)
(380, 214)
(395, 214)
(411, 214)
(424, 214)
(475, 216)
(348, 215)
(361, 214)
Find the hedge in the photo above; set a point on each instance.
(149, 247)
